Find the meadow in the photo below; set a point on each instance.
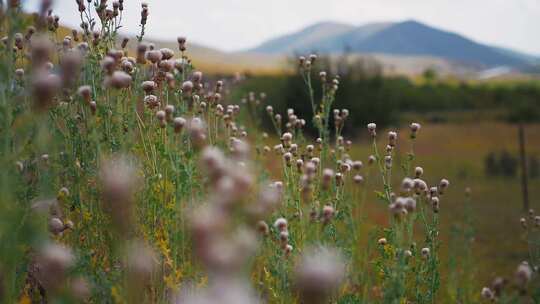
(130, 176)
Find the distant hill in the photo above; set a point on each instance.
(219, 62)
(408, 38)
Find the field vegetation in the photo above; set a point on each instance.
(132, 177)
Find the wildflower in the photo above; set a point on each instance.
(44, 87)
(398, 208)
(392, 138)
(487, 294)
(357, 165)
(523, 274)
(141, 262)
(151, 101)
(178, 124)
(418, 172)
(80, 288)
(262, 227)
(327, 214)
(286, 138)
(197, 76)
(420, 186)
(19, 165)
(371, 159)
(148, 86)
(169, 110)
(181, 43)
(372, 128)
(443, 185)
(85, 92)
(407, 253)
(318, 274)
(279, 149)
(388, 161)
(407, 184)
(93, 107)
(56, 226)
(54, 262)
(327, 176)
(19, 73)
(118, 80)
(523, 222)
(358, 179)
(166, 53)
(299, 165)
(425, 252)
(68, 225)
(435, 204)
(108, 64)
(497, 285)
(281, 224)
(154, 56)
(160, 116)
(187, 87)
(118, 182)
(537, 220)
(414, 129)
(41, 50)
(382, 241)
(410, 204)
(288, 249)
(141, 53)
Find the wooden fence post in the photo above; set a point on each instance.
(523, 164)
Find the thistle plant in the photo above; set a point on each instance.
(132, 177)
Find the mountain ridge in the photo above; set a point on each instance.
(409, 37)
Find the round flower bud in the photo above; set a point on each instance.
(281, 224)
(392, 138)
(418, 172)
(178, 124)
(372, 128)
(262, 228)
(425, 252)
(56, 226)
(358, 179)
(327, 214)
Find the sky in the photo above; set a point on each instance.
(233, 25)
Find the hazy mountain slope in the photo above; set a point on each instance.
(516, 54)
(414, 38)
(409, 38)
(304, 39)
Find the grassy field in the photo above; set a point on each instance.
(457, 152)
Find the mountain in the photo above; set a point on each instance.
(311, 36)
(408, 38)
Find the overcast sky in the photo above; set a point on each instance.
(239, 24)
